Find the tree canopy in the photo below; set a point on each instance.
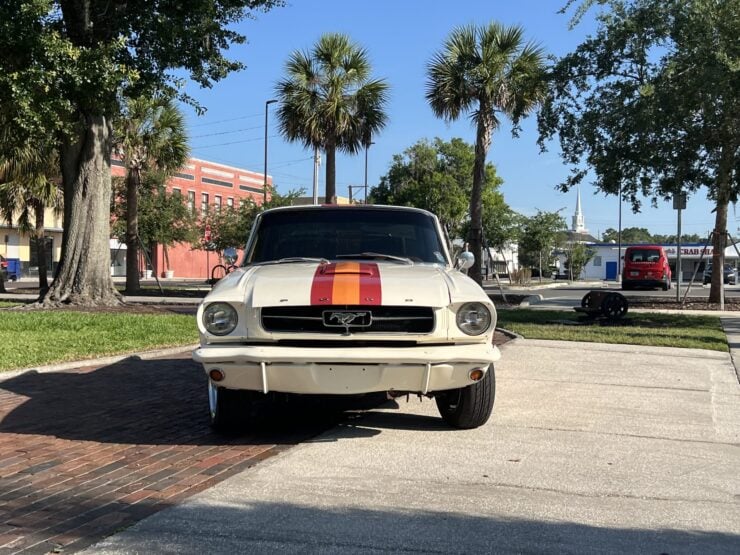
(651, 102)
(436, 176)
(65, 69)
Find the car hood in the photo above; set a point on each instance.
(347, 283)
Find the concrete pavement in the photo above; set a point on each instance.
(592, 448)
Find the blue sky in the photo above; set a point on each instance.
(400, 37)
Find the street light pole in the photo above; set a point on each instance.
(264, 197)
(367, 146)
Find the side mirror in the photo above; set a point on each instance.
(464, 260)
(230, 255)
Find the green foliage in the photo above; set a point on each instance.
(577, 256)
(230, 226)
(437, 176)
(540, 234)
(651, 102)
(88, 56)
(164, 217)
(329, 101)
(642, 235)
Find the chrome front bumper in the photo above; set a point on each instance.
(421, 369)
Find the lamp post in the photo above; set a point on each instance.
(367, 146)
(267, 103)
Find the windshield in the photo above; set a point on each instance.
(343, 232)
(644, 255)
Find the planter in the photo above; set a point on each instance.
(169, 274)
(148, 274)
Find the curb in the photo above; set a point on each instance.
(104, 361)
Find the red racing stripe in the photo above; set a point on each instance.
(322, 285)
(371, 292)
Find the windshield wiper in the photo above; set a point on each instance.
(376, 256)
(292, 259)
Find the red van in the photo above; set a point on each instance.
(647, 266)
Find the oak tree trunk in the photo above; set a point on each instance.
(724, 185)
(83, 275)
(133, 179)
(475, 239)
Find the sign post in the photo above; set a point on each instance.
(679, 203)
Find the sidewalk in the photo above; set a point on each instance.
(592, 448)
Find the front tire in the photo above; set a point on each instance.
(229, 408)
(471, 406)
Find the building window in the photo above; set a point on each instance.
(230, 202)
(597, 261)
(191, 201)
(241, 202)
(217, 203)
(203, 203)
(176, 191)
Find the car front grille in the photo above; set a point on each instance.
(339, 320)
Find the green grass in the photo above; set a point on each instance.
(33, 338)
(661, 330)
(8, 304)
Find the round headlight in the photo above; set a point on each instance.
(473, 318)
(220, 318)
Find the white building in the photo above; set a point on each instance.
(603, 265)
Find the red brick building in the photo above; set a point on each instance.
(202, 183)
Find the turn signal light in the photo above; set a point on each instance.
(476, 374)
(216, 375)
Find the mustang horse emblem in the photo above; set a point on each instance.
(346, 319)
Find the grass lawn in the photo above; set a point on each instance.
(39, 337)
(661, 330)
(8, 304)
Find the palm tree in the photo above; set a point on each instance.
(488, 72)
(150, 139)
(328, 101)
(29, 184)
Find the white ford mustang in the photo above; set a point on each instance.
(347, 300)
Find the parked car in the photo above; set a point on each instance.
(4, 267)
(348, 300)
(646, 266)
(730, 274)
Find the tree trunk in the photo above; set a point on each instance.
(482, 143)
(41, 247)
(133, 179)
(724, 174)
(83, 275)
(331, 174)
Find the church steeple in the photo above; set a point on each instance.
(578, 224)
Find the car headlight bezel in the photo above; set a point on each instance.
(228, 320)
(473, 318)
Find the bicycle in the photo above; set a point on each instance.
(220, 271)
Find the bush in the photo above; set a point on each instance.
(521, 276)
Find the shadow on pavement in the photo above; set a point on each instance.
(261, 527)
(154, 402)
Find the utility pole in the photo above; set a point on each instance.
(679, 203)
(264, 197)
(354, 187)
(367, 146)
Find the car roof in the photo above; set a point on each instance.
(323, 207)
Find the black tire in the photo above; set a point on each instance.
(229, 409)
(471, 406)
(588, 300)
(626, 286)
(614, 306)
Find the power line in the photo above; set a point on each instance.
(233, 142)
(225, 120)
(227, 132)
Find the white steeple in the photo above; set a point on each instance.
(578, 224)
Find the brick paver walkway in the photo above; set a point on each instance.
(84, 453)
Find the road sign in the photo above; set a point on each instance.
(207, 234)
(679, 201)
